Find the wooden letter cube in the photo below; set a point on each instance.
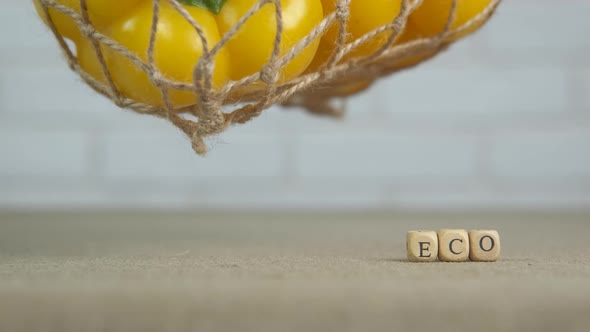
(453, 245)
(485, 245)
(422, 246)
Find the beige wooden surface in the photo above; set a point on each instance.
(276, 272)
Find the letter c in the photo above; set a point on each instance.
(451, 246)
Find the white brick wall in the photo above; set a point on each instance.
(474, 89)
(542, 25)
(163, 157)
(386, 155)
(501, 120)
(553, 156)
(27, 153)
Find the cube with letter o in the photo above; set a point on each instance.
(485, 245)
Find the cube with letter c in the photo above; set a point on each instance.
(453, 245)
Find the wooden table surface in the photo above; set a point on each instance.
(126, 271)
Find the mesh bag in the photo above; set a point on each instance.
(237, 101)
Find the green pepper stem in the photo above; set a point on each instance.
(212, 5)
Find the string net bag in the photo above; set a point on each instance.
(214, 107)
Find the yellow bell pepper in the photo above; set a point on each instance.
(364, 17)
(100, 13)
(178, 47)
(430, 18)
(426, 21)
(254, 41)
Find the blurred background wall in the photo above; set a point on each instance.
(500, 121)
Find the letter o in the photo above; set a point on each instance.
(492, 243)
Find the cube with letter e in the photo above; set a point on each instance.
(422, 246)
